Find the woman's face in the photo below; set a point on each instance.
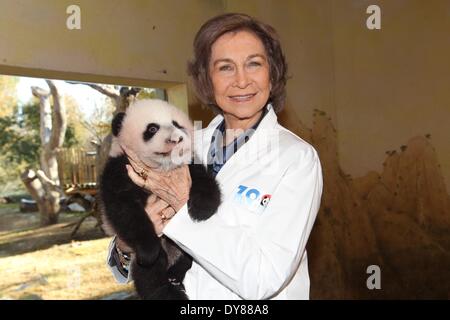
(239, 71)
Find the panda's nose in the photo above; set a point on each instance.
(174, 140)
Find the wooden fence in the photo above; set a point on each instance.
(77, 170)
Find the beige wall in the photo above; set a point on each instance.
(391, 84)
(136, 39)
(379, 87)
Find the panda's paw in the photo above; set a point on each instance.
(204, 200)
(201, 210)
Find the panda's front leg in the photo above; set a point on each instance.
(204, 196)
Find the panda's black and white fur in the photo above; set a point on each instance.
(161, 136)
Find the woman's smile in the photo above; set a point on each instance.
(242, 98)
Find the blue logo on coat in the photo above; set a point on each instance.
(251, 198)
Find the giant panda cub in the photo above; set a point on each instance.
(161, 136)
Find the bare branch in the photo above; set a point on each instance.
(60, 118)
(42, 176)
(105, 91)
(110, 93)
(48, 182)
(39, 92)
(45, 114)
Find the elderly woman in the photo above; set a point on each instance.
(271, 180)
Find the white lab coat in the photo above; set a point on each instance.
(251, 249)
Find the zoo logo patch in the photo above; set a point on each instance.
(252, 198)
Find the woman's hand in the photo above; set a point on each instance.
(173, 186)
(159, 213)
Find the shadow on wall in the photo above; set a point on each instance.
(398, 220)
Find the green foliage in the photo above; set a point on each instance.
(20, 144)
(147, 93)
(70, 139)
(20, 141)
(8, 95)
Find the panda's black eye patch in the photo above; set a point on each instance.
(152, 128)
(177, 125)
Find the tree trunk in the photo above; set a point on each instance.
(43, 185)
(46, 196)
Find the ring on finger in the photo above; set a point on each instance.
(143, 173)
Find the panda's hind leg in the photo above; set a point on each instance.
(151, 283)
(177, 271)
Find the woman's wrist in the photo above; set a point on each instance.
(181, 204)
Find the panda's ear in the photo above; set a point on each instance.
(116, 124)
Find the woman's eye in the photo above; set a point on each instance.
(254, 64)
(225, 68)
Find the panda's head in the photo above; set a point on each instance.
(159, 133)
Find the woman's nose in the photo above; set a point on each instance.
(242, 78)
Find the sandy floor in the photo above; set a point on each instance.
(45, 263)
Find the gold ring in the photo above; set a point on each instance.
(163, 217)
(143, 174)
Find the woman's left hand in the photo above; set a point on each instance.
(172, 186)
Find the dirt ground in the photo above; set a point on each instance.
(46, 263)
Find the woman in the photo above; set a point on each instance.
(271, 180)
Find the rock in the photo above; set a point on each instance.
(398, 219)
(343, 239)
(76, 207)
(5, 200)
(27, 205)
(364, 184)
(80, 203)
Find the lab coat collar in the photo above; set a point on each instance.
(265, 129)
(269, 121)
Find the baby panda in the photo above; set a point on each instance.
(161, 136)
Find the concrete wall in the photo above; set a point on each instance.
(391, 84)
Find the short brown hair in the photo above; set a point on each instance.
(211, 30)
